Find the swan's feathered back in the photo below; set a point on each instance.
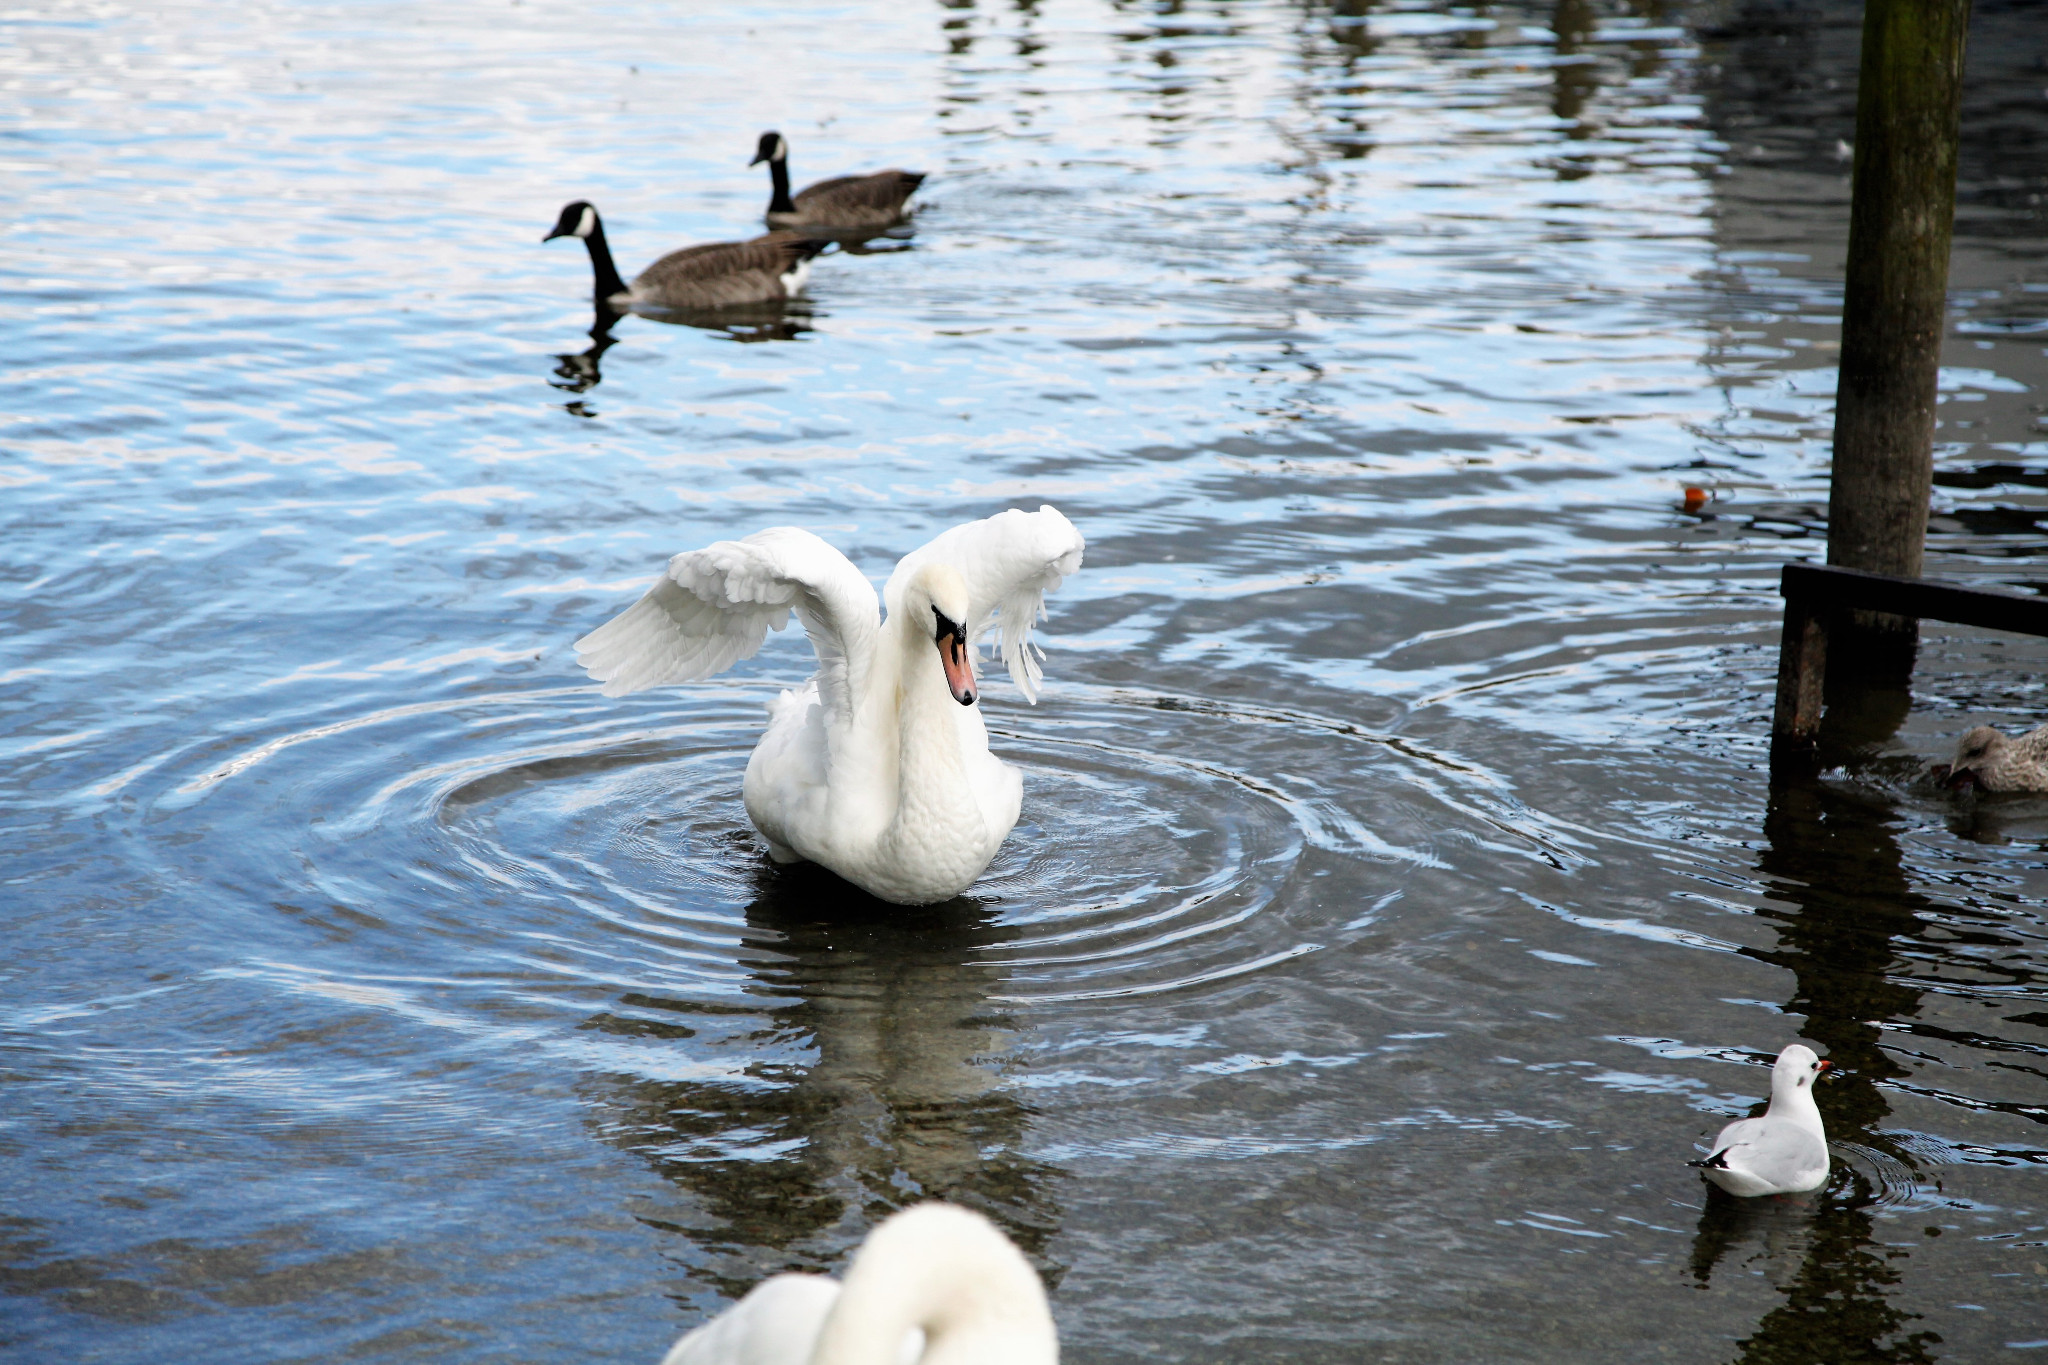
(716, 605)
(933, 1285)
(1010, 561)
(953, 1274)
(775, 1324)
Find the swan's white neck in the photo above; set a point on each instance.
(951, 1274)
(937, 820)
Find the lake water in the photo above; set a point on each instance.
(1400, 899)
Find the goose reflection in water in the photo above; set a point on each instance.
(1831, 855)
(749, 322)
(900, 1099)
(580, 371)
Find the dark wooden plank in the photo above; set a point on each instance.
(1802, 671)
(1824, 588)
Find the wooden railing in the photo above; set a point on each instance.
(1817, 597)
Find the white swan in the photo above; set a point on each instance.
(1786, 1150)
(933, 1285)
(871, 768)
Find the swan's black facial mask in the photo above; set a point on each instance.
(953, 655)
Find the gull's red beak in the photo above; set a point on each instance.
(1826, 1065)
(959, 664)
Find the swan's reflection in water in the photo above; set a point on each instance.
(1832, 855)
(886, 1086)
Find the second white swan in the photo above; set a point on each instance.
(933, 1285)
(878, 767)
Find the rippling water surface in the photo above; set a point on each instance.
(1400, 897)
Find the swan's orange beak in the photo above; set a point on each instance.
(958, 663)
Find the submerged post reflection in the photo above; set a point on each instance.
(885, 1087)
(1832, 855)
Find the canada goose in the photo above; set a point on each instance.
(844, 203)
(714, 275)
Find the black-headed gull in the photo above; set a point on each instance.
(1786, 1150)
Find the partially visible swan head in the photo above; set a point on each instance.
(935, 605)
(578, 220)
(953, 1275)
(772, 148)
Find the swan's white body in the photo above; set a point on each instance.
(933, 1285)
(1786, 1150)
(878, 767)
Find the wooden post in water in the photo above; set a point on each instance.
(1902, 210)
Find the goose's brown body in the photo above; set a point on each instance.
(767, 269)
(841, 205)
(851, 202)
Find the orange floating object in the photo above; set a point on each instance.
(1696, 498)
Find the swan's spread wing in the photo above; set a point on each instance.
(716, 605)
(1010, 561)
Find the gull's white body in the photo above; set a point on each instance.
(933, 1285)
(872, 768)
(1786, 1150)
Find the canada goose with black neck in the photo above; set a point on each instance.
(847, 203)
(767, 269)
